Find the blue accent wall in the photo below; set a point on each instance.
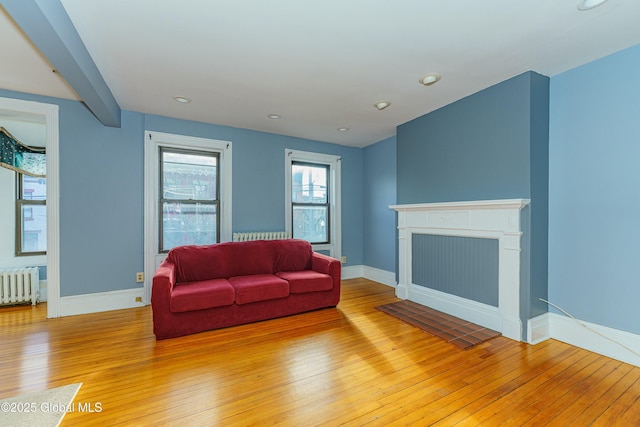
(490, 145)
(474, 149)
(380, 234)
(535, 256)
(593, 179)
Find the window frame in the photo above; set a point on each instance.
(195, 202)
(20, 203)
(334, 246)
(326, 204)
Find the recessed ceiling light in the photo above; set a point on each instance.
(381, 105)
(274, 116)
(429, 79)
(343, 129)
(589, 4)
(182, 99)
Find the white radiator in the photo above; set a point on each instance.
(19, 285)
(261, 235)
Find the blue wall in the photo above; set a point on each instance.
(380, 234)
(594, 250)
(101, 202)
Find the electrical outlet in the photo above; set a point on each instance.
(138, 299)
(140, 277)
(344, 260)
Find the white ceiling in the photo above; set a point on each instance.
(319, 64)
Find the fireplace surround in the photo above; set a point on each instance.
(488, 219)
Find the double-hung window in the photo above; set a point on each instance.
(189, 198)
(310, 202)
(31, 215)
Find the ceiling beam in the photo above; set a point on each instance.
(49, 27)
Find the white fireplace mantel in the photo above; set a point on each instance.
(491, 219)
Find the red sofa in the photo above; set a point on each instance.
(197, 288)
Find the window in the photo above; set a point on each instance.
(31, 215)
(312, 199)
(310, 202)
(189, 198)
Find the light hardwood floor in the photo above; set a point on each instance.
(352, 365)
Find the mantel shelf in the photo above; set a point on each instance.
(477, 204)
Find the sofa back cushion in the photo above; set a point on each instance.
(196, 263)
(224, 260)
(291, 255)
(247, 258)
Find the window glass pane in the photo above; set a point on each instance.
(34, 228)
(33, 188)
(188, 176)
(308, 183)
(311, 223)
(188, 224)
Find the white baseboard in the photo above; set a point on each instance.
(102, 301)
(538, 329)
(377, 275)
(597, 338)
(352, 272)
(472, 311)
(42, 291)
(381, 276)
(590, 336)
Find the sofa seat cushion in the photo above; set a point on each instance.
(200, 295)
(259, 287)
(306, 281)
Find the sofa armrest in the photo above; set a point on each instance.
(164, 280)
(326, 264)
(331, 266)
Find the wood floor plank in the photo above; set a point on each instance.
(517, 408)
(481, 389)
(551, 411)
(625, 403)
(502, 408)
(443, 382)
(603, 394)
(352, 365)
(627, 378)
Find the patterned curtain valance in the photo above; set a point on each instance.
(19, 157)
